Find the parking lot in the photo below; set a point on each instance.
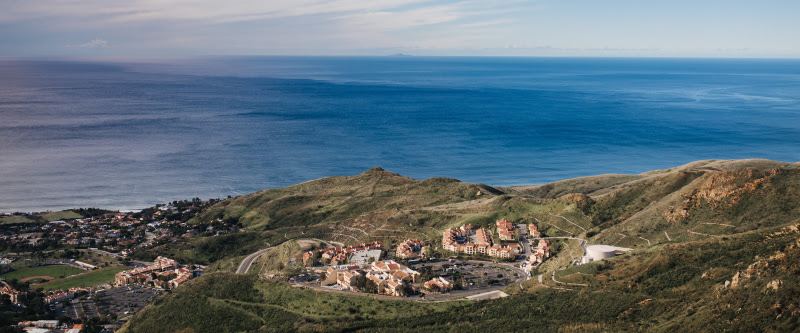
(121, 301)
(476, 275)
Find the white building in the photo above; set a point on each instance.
(600, 252)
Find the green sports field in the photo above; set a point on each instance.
(89, 279)
(54, 271)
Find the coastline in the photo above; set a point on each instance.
(719, 164)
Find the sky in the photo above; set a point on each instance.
(674, 28)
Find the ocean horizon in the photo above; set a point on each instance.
(127, 134)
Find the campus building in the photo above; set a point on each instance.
(162, 266)
(505, 230)
(472, 241)
(439, 284)
(389, 276)
(410, 248)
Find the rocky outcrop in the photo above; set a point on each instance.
(760, 266)
(774, 285)
(721, 189)
(730, 186)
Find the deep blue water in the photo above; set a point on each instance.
(127, 134)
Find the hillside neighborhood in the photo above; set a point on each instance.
(363, 268)
(90, 257)
(108, 240)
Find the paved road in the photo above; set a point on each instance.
(526, 243)
(245, 265)
(76, 309)
(91, 309)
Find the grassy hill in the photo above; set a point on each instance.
(41, 217)
(679, 286)
(375, 205)
(341, 198)
(715, 244)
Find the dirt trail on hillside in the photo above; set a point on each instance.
(461, 205)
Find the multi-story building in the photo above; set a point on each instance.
(389, 276)
(475, 241)
(410, 248)
(533, 230)
(505, 229)
(483, 237)
(540, 253)
(12, 293)
(58, 297)
(348, 278)
(162, 266)
(439, 284)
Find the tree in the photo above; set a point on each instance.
(407, 290)
(366, 285)
(93, 325)
(457, 284)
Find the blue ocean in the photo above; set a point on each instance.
(130, 133)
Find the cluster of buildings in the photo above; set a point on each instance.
(59, 295)
(15, 295)
(540, 252)
(505, 230)
(164, 272)
(337, 255)
(43, 324)
(439, 284)
(115, 232)
(51, 297)
(46, 326)
(390, 277)
(468, 240)
(454, 239)
(410, 248)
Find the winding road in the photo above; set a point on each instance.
(248, 261)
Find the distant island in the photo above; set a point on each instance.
(695, 247)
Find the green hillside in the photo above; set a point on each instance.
(679, 286)
(341, 198)
(716, 248)
(374, 205)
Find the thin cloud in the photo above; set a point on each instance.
(92, 44)
(208, 10)
(267, 26)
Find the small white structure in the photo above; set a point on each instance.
(600, 252)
